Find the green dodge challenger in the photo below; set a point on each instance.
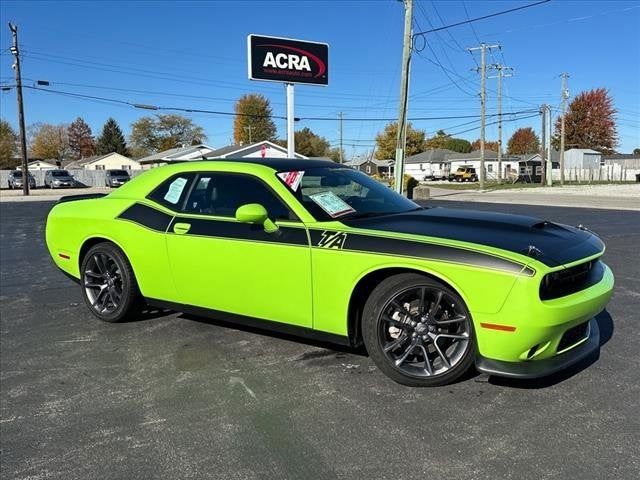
(313, 248)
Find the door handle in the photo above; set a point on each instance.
(181, 228)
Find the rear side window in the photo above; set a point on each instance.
(221, 194)
(172, 192)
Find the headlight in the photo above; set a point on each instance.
(56, 182)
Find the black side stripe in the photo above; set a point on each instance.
(161, 222)
(409, 248)
(147, 217)
(243, 231)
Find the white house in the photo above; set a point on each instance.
(110, 161)
(510, 163)
(430, 164)
(582, 158)
(39, 165)
(178, 154)
(264, 149)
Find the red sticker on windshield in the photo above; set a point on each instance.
(292, 179)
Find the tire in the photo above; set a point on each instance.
(109, 286)
(429, 327)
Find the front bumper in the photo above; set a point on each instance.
(547, 366)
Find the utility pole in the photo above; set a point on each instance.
(501, 74)
(565, 96)
(549, 159)
(23, 136)
(404, 95)
(341, 154)
(483, 102)
(291, 139)
(248, 127)
(543, 150)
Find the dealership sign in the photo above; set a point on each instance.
(287, 60)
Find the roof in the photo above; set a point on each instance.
(433, 155)
(86, 161)
(584, 150)
(280, 164)
(356, 162)
(234, 150)
(176, 154)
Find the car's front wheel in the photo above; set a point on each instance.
(418, 331)
(109, 286)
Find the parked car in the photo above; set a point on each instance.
(115, 178)
(15, 179)
(464, 174)
(314, 248)
(58, 179)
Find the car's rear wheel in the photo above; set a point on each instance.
(109, 286)
(418, 331)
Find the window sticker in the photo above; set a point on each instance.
(292, 179)
(175, 190)
(332, 204)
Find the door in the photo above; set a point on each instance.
(221, 264)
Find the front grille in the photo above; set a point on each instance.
(571, 280)
(573, 336)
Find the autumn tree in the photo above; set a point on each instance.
(523, 140)
(164, 132)
(309, 144)
(253, 122)
(81, 141)
(8, 145)
(336, 154)
(111, 139)
(589, 123)
(51, 142)
(442, 140)
(488, 145)
(386, 141)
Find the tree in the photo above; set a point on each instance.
(8, 145)
(310, 144)
(81, 141)
(636, 151)
(442, 140)
(111, 139)
(150, 135)
(253, 121)
(488, 145)
(589, 123)
(334, 154)
(523, 140)
(386, 141)
(51, 142)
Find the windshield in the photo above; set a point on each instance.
(118, 173)
(17, 173)
(343, 193)
(60, 173)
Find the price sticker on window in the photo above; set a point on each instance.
(332, 204)
(292, 179)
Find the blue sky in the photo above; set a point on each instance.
(193, 54)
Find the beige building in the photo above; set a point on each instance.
(110, 161)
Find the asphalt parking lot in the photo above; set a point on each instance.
(172, 397)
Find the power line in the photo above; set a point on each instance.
(217, 112)
(481, 18)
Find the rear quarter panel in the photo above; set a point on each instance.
(71, 224)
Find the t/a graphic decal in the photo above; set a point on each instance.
(332, 240)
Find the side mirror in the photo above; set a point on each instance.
(255, 213)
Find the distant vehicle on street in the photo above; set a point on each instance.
(15, 180)
(314, 248)
(58, 179)
(115, 178)
(464, 174)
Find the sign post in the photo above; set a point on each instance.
(289, 61)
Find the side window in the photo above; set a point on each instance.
(172, 192)
(222, 193)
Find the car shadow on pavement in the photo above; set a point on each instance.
(605, 324)
(220, 322)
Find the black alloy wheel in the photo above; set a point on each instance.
(418, 331)
(109, 286)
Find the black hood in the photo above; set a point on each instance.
(554, 244)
